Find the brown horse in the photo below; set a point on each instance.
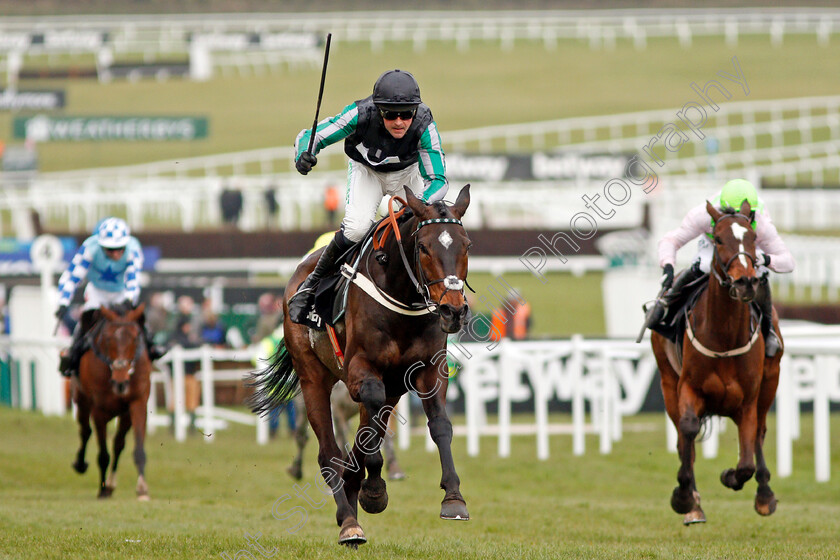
(114, 381)
(723, 370)
(400, 308)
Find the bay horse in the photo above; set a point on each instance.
(113, 382)
(723, 370)
(400, 307)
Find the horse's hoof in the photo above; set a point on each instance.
(680, 503)
(143, 498)
(351, 534)
(373, 496)
(764, 505)
(295, 471)
(80, 468)
(696, 515)
(454, 510)
(105, 492)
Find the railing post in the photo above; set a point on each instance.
(178, 395)
(208, 397)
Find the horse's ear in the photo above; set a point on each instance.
(713, 212)
(746, 209)
(417, 206)
(109, 314)
(462, 202)
(138, 311)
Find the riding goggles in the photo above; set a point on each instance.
(393, 115)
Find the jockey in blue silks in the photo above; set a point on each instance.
(111, 260)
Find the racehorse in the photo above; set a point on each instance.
(400, 307)
(114, 381)
(723, 370)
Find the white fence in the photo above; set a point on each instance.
(607, 378)
(599, 28)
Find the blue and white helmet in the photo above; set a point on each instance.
(113, 233)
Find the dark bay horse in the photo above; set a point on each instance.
(723, 370)
(400, 308)
(114, 381)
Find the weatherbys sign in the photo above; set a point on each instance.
(539, 166)
(42, 128)
(41, 100)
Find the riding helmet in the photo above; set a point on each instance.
(396, 90)
(113, 233)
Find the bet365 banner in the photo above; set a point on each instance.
(43, 128)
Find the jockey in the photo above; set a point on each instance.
(392, 142)
(771, 254)
(111, 260)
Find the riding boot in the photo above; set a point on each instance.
(302, 301)
(772, 344)
(69, 364)
(682, 280)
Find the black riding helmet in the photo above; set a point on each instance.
(396, 90)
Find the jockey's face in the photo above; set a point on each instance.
(397, 122)
(114, 254)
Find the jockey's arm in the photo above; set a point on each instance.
(328, 131)
(132, 272)
(75, 273)
(769, 242)
(432, 165)
(696, 223)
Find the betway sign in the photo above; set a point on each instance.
(539, 166)
(76, 129)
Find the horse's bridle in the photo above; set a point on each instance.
(451, 283)
(120, 364)
(728, 281)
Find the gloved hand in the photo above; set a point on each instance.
(62, 310)
(305, 163)
(667, 276)
(766, 260)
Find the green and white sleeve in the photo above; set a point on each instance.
(329, 131)
(432, 165)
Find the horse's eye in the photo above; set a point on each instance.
(718, 240)
(423, 249)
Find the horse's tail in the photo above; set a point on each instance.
(276, 384)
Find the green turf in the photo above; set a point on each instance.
(205, 497)
(482, 86)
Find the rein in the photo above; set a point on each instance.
(450, 283)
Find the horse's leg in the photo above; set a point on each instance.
(317, 397)
(137, 413)
(670, 380)
(433, 395)
(373, 495)
(100, 421)
(83, 417)
(685, 496)
(747, 422)
(765, 500)
(123, 425)
(295, 470)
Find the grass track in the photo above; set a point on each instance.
(206, 497)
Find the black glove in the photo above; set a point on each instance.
(667, 276)
(766, 260)
(305, 163)
(62, 310)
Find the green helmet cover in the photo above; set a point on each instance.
(737, 191)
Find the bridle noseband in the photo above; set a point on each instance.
(728, 282)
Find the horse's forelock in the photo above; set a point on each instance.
(442, 209)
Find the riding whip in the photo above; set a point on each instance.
(649, 313)
(320, 92)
